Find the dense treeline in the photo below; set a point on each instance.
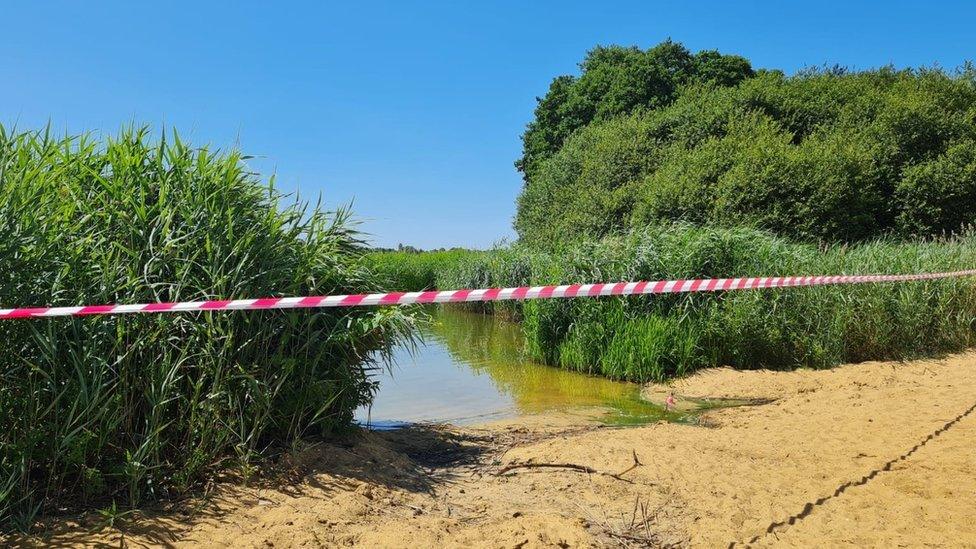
(824, 155)
(615, 81)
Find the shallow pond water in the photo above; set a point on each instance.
(471, 368)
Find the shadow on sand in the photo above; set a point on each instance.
(414, 459)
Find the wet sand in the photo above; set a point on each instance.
(874, 454)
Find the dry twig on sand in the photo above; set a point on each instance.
(572, 467)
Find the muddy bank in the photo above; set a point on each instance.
(868, 454)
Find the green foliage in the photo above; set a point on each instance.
(599, 168)
(939, 193)
(412, 271)
(132, 408)
(662, 336)
(649, 347)
(825, 155)
(615, 80)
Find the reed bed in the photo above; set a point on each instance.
(654, 338)
(413, 271)
(131, 409)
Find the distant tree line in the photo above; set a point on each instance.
(649, 136)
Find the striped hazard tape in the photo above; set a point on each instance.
(486, 294)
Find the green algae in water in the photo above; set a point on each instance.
(472, 368)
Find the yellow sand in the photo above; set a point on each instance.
(874, 454)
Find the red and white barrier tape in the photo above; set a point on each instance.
(489, 294)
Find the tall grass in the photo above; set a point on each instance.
(413, 271)
(658, 337)
(134, 408)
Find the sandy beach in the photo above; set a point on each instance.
(872, 454)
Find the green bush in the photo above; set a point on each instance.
(136, 407)
(937, 196)
(597, 167)
(822, 156)
(615, 80)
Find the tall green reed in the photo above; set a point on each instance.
(662, 336)
(413, 271)
(134, 408)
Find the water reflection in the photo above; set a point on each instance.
(471, 368)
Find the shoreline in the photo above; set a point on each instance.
(877, 453)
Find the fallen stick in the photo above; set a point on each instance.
(571, 467)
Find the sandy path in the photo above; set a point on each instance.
(875, 454)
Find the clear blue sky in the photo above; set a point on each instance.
(413, 111)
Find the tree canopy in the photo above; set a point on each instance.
(615, 80)
(643, 137)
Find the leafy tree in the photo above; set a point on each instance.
(938, 196)
(825, 155)
(617, 80)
